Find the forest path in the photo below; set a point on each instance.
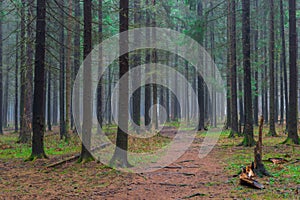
(188, 176)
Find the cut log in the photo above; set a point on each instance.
(251, 183)
(278, 160)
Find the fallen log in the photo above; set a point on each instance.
(251, 183)
(278, 160)
(75, 157)
(69, 159)
(298, 160)
(246, 177)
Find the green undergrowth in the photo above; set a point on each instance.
(285, 180)
(10, 149)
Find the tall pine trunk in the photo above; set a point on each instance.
(77, 55)
(136, 99)
(256, 92)
(292, 123)
(232, 63)
(49, 122)
(68, 70)
(147, 70)
(283, 61)
(17, 86)
(120, 155)
(23, 136)
(100, 67)
(38, 120)
(62, 122)
(1, 71)
(87, 84)
(201, 84)
(248, 129)
(272, 130)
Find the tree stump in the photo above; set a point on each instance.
(259, 167)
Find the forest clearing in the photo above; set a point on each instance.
(146, 99)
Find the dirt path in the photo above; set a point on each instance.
(188, 176)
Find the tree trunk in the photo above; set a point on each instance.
(272, 130)
(283, 61)
(201, 84)
(85, 155)
(120, 155)
(38, 120)
(17, 86)
(266, 112)
(24, 137)
(232, 63)
(147, 70)
(49, 123)
(276, 91)
(1, 71)
(136, 99)
(154, 60)
(62, 122)
(201, 103)
(68, 70)
(212, 43)
(256, 92)
(100, 65)
(292, 123)
(55, 101)
(187, 92)
(241, 100)
(5, 104)
(248, 129)
(28, 73)
(77, 54)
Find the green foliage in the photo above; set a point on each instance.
(10, 149)
(285, 178)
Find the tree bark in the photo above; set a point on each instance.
(136, 99)
(1, 71)
(256, 50)
(68, 70)
(100, 65)
(85, 155)
(272, 130)
(232, 63)
(201, 84)
(292, 123)
(26, 126)
(283, 61)
(147, 70)
(5, 103)
(38, 120)
(154, 61)
(77, 54)
(62, 122)
(17, 86)
(49, 123)
(120, 155)
(248, 129)
(24, 137)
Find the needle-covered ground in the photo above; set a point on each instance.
(188, 178)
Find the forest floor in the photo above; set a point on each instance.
(188, 178)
